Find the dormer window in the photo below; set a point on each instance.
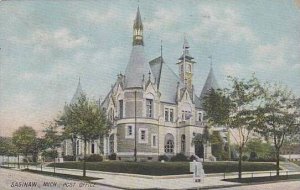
(200, 116)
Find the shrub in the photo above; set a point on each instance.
(112, 156)
(163, 157)
(94, 158)
(179, 157)
(69, 158)
(245, 157)
(253, 156)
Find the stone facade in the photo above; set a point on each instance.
(152, 109)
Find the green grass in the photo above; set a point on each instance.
(297, 162)
(65, 176)
(167, 168)
(264, 179)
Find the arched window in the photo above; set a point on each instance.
(190, 68)
(111, 144)
(169, 143)
(183, 143)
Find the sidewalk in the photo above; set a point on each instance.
(134, 181)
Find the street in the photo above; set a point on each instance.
(11, 179)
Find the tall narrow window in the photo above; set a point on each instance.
(77, 147)
(171, 115)
(149, 107)
(199, 116)
(111, 144)
(183, 143)
(153, 140)
(93, 148)
(121, 109)
(166, 114)
(129, 130)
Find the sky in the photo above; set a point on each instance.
(47, 45)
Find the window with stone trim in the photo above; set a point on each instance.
(93, 148)
(154, 140)
(166, 114)
(171, 115)
(200, 116)
(143, 135)
(112, 144)
(149, 108)
(183, 143)
(129, 130)
(169, 143)
(121, 109)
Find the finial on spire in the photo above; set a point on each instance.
(185, 42)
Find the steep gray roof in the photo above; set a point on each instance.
(210, 83)
(167, 80)
(79, 92)
(137, 68)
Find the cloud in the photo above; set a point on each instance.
(218, 23)
(61, 38)
(43, 41)
(96, 17)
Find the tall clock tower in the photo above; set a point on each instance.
(185, 65)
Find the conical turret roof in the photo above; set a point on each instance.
(210, 83)
(79, 92)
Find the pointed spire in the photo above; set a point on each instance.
(79, 92)
(138, 29)
(138, 20)
(210, 83)
(186, 53)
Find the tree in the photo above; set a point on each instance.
(7, 148)
(24, 139)
(52, 140)
(217, 145)
(259, 149)
(278, 116)
(85, 120)
(197, 141)
(236, 108)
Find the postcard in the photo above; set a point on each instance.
(154, 94)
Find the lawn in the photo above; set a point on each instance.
(167, 168)
(297, 162)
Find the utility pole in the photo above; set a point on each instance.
(135, 151)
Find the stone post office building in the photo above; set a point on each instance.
(152, 106)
